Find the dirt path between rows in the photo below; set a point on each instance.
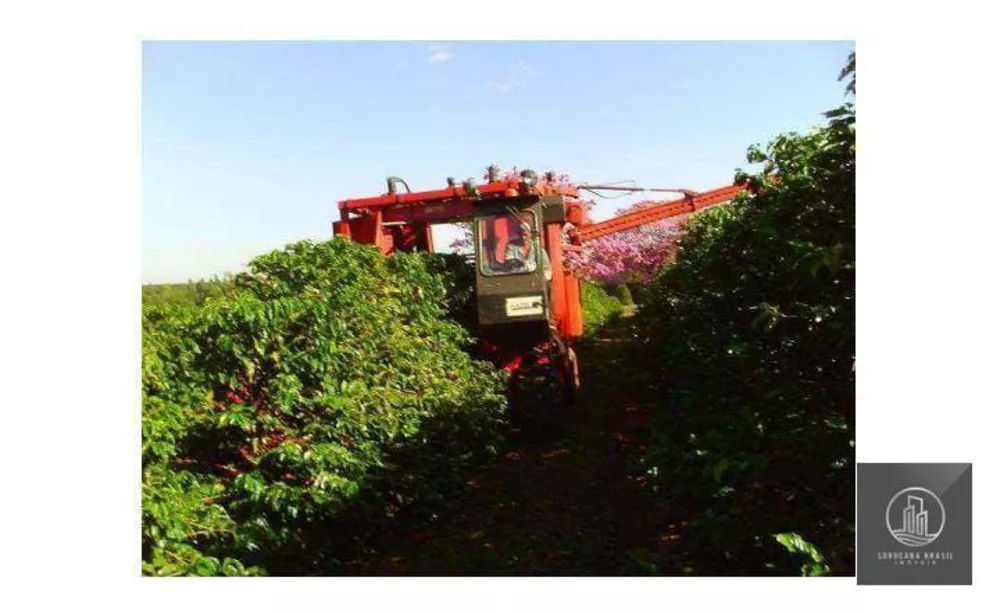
(576, 505)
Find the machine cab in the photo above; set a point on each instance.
(513, 269)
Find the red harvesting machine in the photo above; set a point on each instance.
(528, 301)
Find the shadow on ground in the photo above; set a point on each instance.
(573, 505)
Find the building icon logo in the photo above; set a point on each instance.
(915, 516)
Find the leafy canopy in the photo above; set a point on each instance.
(750, 342)
(329, 383)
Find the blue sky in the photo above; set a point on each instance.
(249, 146)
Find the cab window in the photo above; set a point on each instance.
(508, 244)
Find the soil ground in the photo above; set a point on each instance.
(572, 505)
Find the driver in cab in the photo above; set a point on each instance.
(519, 254)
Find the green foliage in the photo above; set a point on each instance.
(185, 294)
(814, 564)
(849, 73)
(599, 307)
(459, 278)
(637, 290)
(624, 294)
(751, 345)
(328, 385)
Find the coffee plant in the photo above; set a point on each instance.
(749, 336)
(328, 391)
(624, 295)
(599, 307)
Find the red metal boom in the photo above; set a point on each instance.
(690, 203)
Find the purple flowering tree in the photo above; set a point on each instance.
(636, 255)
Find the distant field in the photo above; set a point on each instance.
(190, 293)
